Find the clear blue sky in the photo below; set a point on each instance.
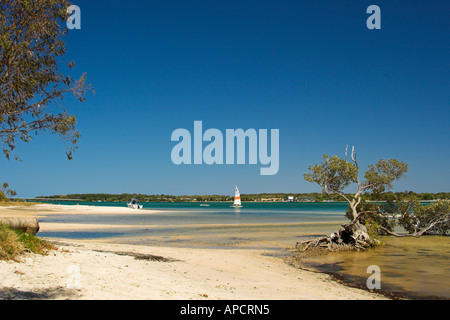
(309, 68)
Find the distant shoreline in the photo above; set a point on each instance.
(260, 197)
(201, 202)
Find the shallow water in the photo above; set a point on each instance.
(256, 225)
(413, 268)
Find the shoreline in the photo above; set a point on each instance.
(40, 210)
(110, 271)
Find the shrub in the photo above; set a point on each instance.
(35, 245)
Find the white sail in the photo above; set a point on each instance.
(237, 198)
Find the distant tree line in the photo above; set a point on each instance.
(125, 197)
(303, 197)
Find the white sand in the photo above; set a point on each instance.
(196, 274)
(38, 210)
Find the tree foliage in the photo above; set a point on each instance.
(334, 175)
(430, 219)
(32, 85)
(401, 210)
(6, 192)
(414, 217)
(380, 176)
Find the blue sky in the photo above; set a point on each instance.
(309, 68)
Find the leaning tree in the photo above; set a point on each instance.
(335, 175)
(32, 84)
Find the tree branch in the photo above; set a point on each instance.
(417, 234)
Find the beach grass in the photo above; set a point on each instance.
(10, 245)
(13, 243)
(17, 204)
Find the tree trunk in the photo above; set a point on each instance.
(352, 235)
(27, 225)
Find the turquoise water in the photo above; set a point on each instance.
(289, 206)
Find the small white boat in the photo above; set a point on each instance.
(237, 199)
(204, 205)
(134, 204)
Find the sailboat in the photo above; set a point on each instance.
(237, 198)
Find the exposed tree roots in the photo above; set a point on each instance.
(350, 237)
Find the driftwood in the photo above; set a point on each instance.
(27, 225)
(349, 237)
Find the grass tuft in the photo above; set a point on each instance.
(10, 246)
(14, 243)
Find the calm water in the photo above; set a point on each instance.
(415, 268)
(256, 225)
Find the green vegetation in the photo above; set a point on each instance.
(431, 219)
(415, 218)
(305, 197)
(372, 209)
(32, 85)
(335, 175)
(6, 192)
(13, 243)
(10, 246)
(17, 203)
(35, 245)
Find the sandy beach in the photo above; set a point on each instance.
(94, 270)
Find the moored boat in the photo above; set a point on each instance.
(134, 204)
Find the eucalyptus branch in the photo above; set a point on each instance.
(30, 81)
